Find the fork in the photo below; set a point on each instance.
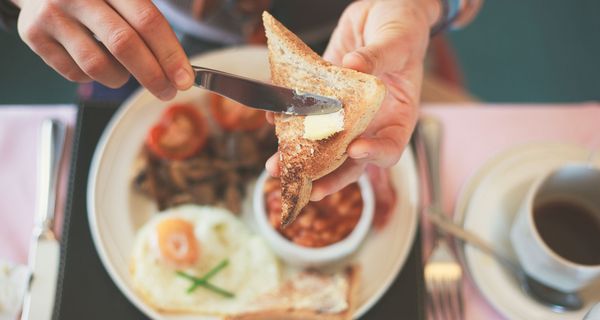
(443, 278)
(443, 274)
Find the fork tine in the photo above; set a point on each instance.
(435, 302)
(443, 277)
(442, 298)
(448, 296)
(437, 295)
(453, 297)
(429, 303)
(454, 286)
(459, 291)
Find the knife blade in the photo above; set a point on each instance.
(264, 96)
(44, 249)
(44, 260)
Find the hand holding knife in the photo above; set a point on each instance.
(44, 249)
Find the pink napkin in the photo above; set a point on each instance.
(474, 135)
(19, 140)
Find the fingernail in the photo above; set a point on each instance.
(271, 168)
(168, 94)
(359, 156)
(316, 196)
(182, 78)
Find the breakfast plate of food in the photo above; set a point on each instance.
(189, 225)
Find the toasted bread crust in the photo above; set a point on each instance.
(352, 275)
(295, 65)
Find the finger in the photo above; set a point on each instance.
(377, 58)
(156, 32)
(54, 55)
(349, 172)
(270, 117)
(384, 150)
(381, 152)
(346, 35)
(93, 59)
(335, 48)
(386, 49)
(272, 165)
(62, 62)
(127, 47)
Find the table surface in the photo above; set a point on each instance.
(472, 136)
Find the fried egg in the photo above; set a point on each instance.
(193, 240)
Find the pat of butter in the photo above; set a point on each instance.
(323, 126)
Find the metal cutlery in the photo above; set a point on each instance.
(44, 248)
(443, 278)
(428, 133)
(264, 96)
(555, 299)
(443, 273)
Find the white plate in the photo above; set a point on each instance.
(487, 206)
(116, 212)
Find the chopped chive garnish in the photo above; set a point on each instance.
(203, 281)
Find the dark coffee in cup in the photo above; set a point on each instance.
(570, 229)
(556, 233)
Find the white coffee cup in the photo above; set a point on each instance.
(577, 183)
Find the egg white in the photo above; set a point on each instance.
(253, 268)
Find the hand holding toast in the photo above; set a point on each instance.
(387, 39)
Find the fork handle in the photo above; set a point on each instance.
(471, 238)
(429, 137)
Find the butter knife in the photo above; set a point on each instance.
(264, 96)
(44, 249)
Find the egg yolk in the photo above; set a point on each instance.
(177, 243)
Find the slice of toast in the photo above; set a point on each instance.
(295, 65)
(319, 295)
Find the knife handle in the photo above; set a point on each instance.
(429, 136)
(52, 142)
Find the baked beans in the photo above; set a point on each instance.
(321, 223)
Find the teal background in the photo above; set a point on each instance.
(532, 51)
(515, 51)
(26, 79)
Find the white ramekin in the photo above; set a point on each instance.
(300, 256)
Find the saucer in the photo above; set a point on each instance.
(487, 205)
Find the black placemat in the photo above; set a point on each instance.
(85, 290)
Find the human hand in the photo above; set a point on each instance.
(106, 41)
(386, 38)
